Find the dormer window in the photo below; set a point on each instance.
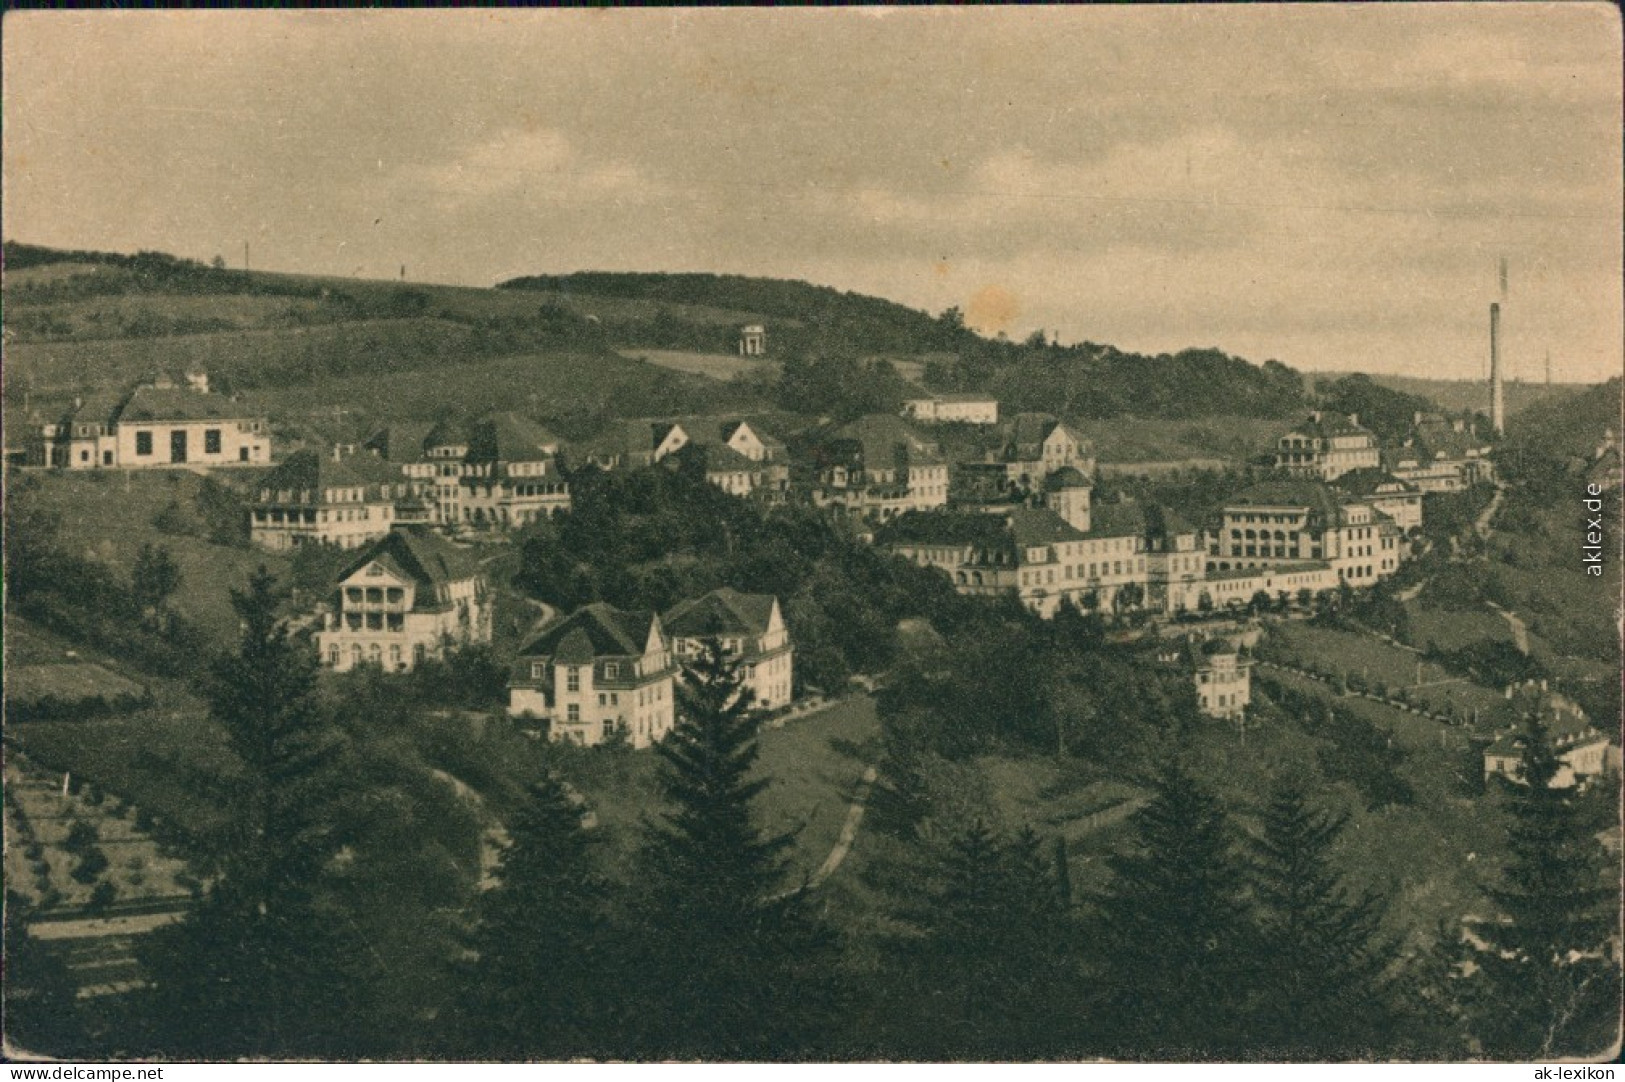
(612, 670)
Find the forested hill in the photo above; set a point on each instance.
(880, 325)
(823, 333)
(1570, 427)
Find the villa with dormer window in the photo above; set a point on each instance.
(405, 599)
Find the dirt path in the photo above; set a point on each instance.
(1520, 631)
(849, 829)
(493, 839)
(1481, 525)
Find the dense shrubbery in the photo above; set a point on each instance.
(647, 539)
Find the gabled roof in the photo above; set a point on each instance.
(596, 630)
(1366, 482)
(417, 553)
(1327, 424)
(1125, 519)
(446, 433)
(151, 404)
(885, 439)
(944, 528)
(1065, 477)
(619, 439)
(720, 458)
(399, 443)
(508, 437)
(1030, 526)
(720, 612)
(1030, 428)
(1314, 496)
(311, 471)
(101, 408)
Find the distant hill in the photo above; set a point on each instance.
(821, 325)
(1570, 426)
(568, 345)
(1469, 395)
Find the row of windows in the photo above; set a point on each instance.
(375, 595)
(375, 621)
(178, 440)
(1095, 570)
(375, 654)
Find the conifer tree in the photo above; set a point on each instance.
(733, 963)
(1176, 935)
(542, 986)
(996, 972)
(266, 965)
(1321, 953)
(1546, 985)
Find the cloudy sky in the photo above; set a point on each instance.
(1328, 186)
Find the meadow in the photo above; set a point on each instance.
(718, 366)
(107, 517)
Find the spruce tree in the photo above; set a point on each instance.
(266, 965)
(1321, 954)
(542, 984)
(996, 972)
(1175, 931)
(732, 960)
(1546, 985)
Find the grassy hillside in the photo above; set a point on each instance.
(298, 347)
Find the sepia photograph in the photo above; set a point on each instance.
(869, 535)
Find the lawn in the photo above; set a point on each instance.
(66, 681)
(1432, 857)
(169, 760)
(1452, 629)
(1350, 653)
(712, 365)
(815, 765)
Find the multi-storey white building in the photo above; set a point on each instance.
(1326, 446)
(161, 424)
(1399, 500)
(1095, 556)
(736, 456)
(408, 597)
(599, 673)
(966, 408)
(750, 630)
(1223, 676)
(878, 467)
(498, 471)
(338, 499)
(1280, 524)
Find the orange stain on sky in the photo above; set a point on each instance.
(992, 309)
